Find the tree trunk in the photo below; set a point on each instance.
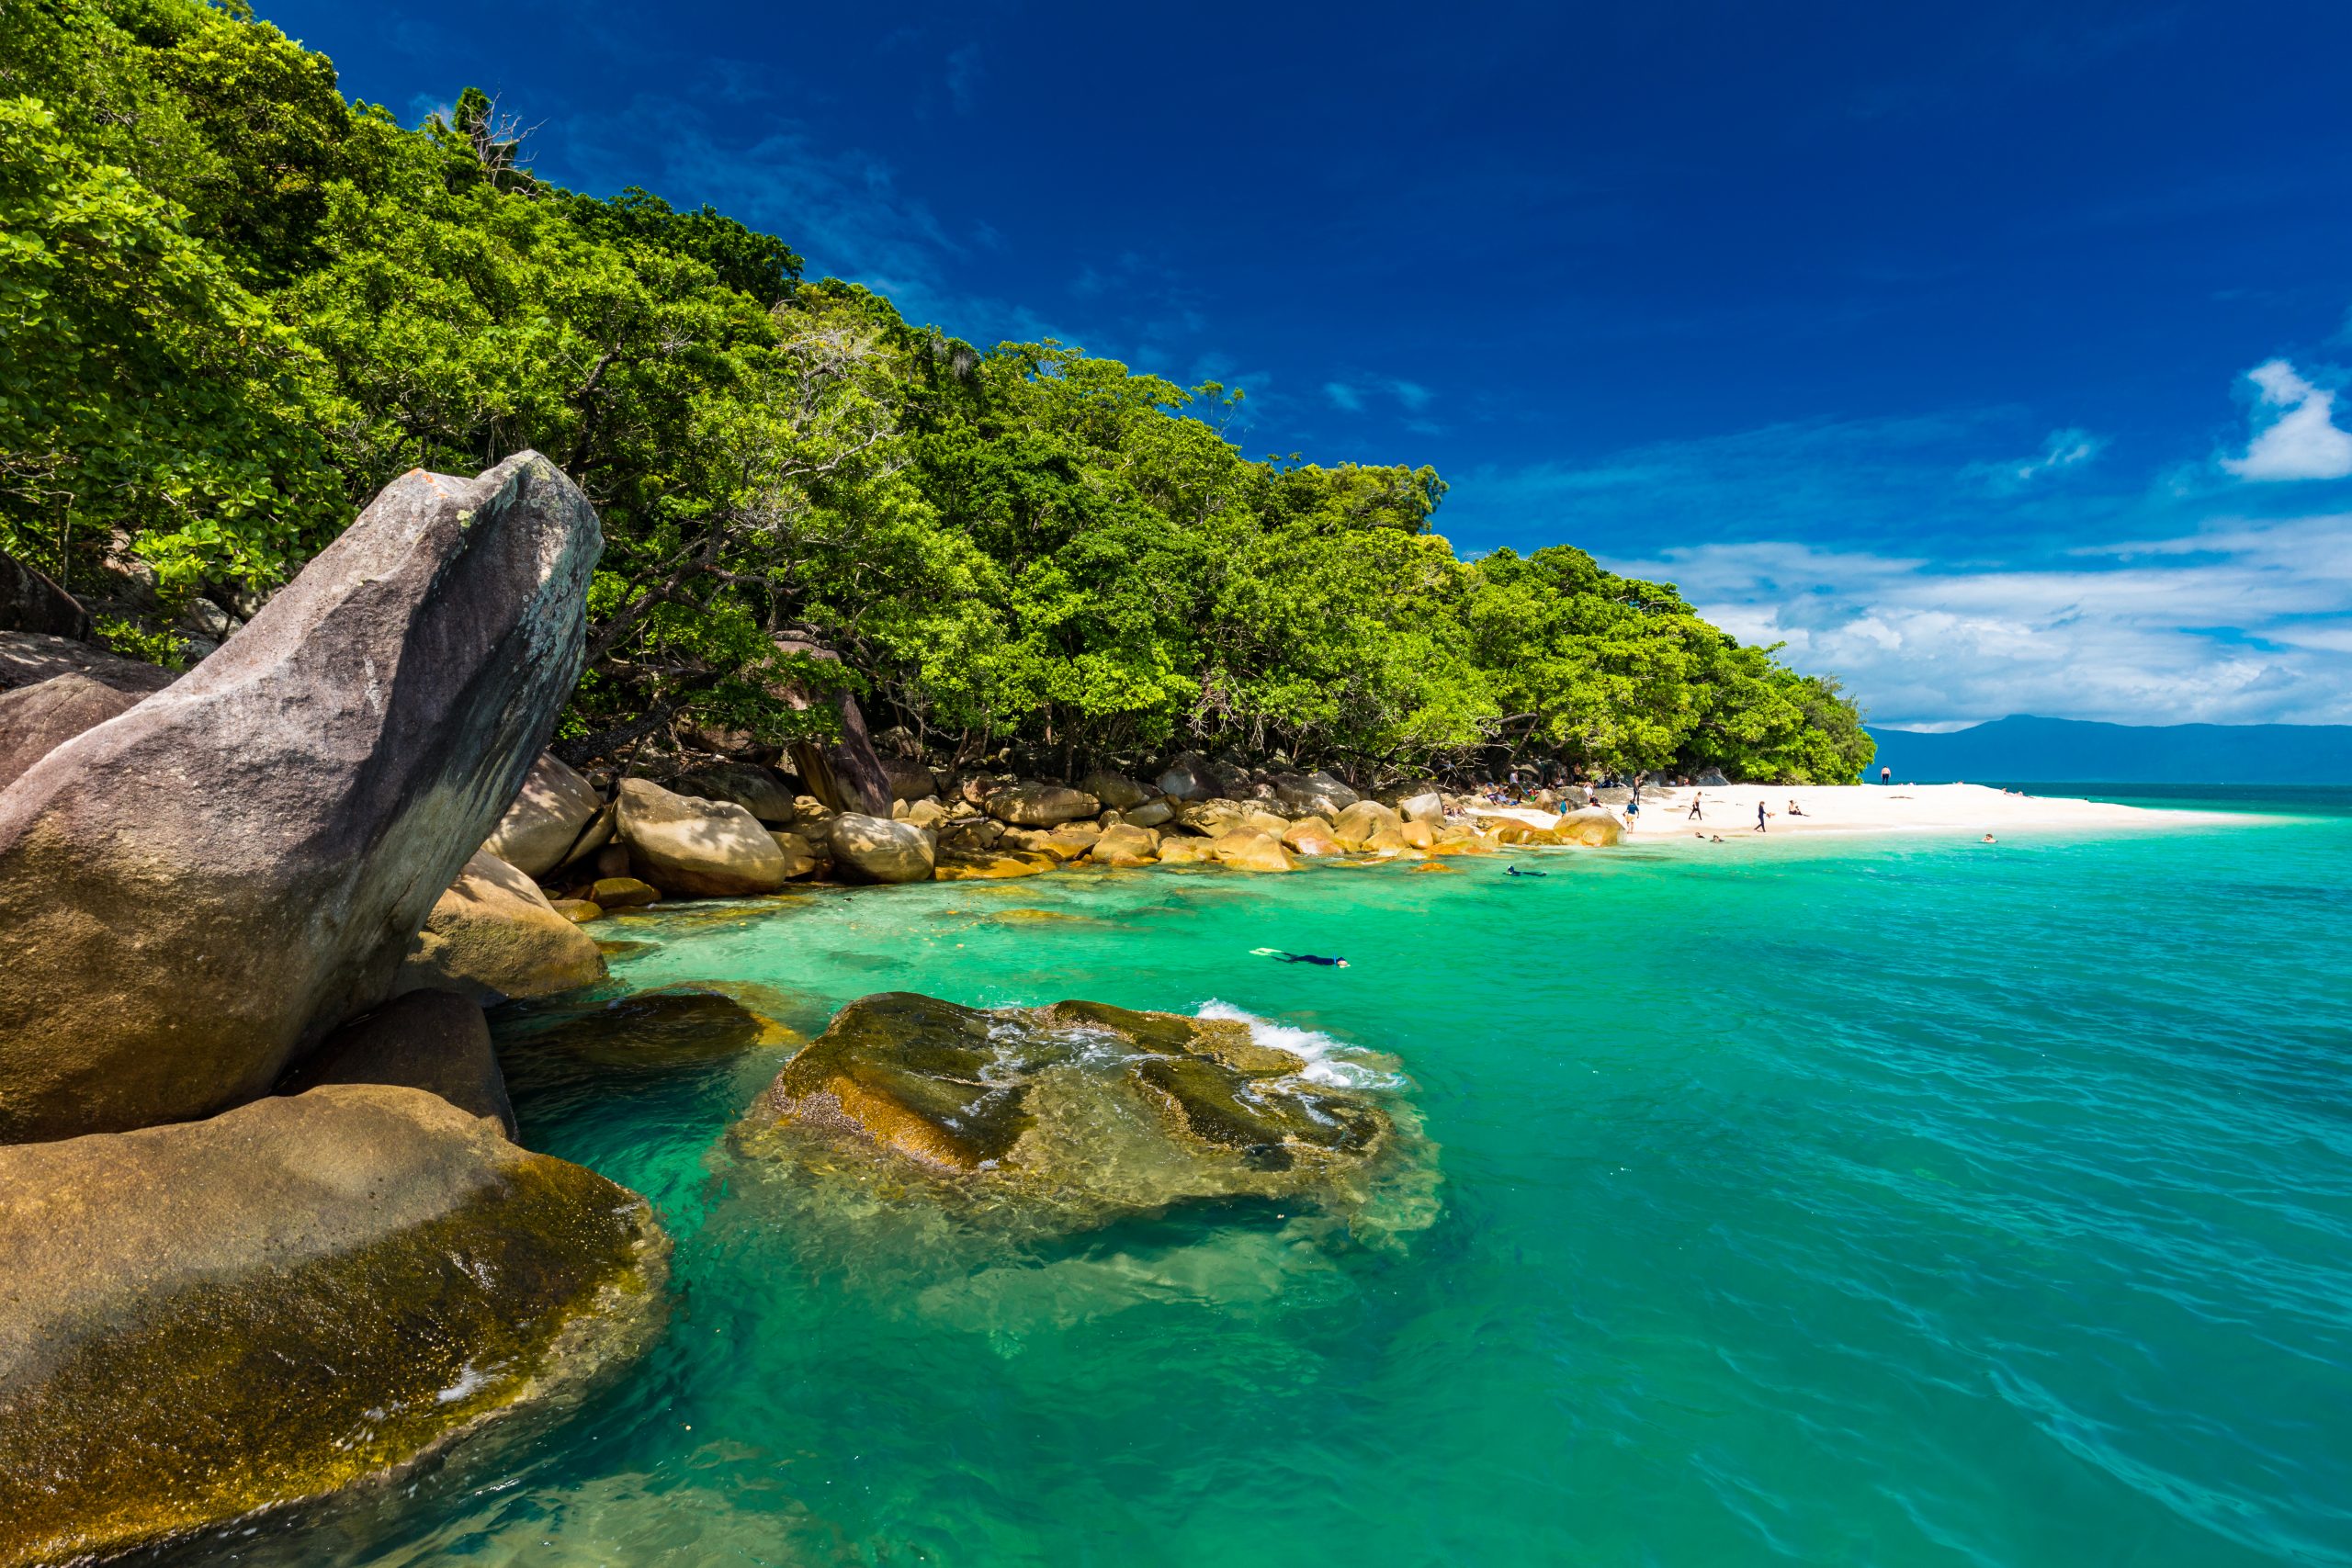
(846, 774)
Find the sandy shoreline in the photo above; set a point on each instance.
(1876, 809)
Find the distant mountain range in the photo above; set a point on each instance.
(2025, 749)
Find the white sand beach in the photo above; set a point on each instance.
(1876, 808)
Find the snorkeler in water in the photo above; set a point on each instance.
(1276, 952)
(1514, 871)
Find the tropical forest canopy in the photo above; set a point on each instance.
(235, 305)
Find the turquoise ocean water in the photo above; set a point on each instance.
(1874, 1201)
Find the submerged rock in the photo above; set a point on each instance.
(194, 893)
(1078, 1111)
(296, 1296)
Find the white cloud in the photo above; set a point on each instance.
(2062, 450)
(1344, 395)
(2302, 443)
(2240, 623)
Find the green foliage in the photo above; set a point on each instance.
(232, 307)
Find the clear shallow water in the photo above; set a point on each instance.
(1876, 1202)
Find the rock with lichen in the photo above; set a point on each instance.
(1075, 1113)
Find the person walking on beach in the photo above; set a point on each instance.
(1886, 776)
(1760, 814)
(1696, 816)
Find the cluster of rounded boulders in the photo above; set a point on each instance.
(547, 818)
(205, 1320)
(494, 937)
(195, 892)
(880, 849)
(683, 844)
(1087, 1110)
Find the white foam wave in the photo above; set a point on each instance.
(1330, 1062)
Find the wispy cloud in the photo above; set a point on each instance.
(964, 77)
(1354, 393)
(2065, 449)
(2300, 441)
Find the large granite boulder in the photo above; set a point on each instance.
(1115, 791)
(1246, 848)
(756, 790)
(1211, 818)
(205, 1320)
(1154, 813)
(683, 844)
(1590, 826)
(1040, 804)
(1427, 806)
(436, 1040)
(27, 659)
(1362, 823)
(494, 937)
(194, 893)
(1077, 1110)
(1312, 794)
(1188, 776)
(37, 720)
(548, 817)
(1310, 836)
(877, 849)
(1124, 845)
(909, 779)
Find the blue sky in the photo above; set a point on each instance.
(1992, 356)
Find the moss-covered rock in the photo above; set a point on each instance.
(204, 1320)
(1079, 1112)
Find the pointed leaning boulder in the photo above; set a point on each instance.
(193, 894)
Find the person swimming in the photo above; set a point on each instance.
(1280, 956)
(1514, 871)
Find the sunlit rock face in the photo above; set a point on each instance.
(1073, 1114)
